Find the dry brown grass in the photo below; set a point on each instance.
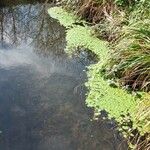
(94, 12)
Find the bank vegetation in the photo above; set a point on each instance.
(120, 81)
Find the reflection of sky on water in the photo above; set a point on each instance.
(25, 56)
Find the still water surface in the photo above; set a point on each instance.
(42, 93)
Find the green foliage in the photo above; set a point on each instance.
(130, 58)
(118, 2)
(128, 3)
(67, 19)
(82, 37)
(140, 12)
(103, 96)
(142, 115)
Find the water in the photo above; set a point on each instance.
(42, 93)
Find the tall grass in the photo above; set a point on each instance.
(131, 57)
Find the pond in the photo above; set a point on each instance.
(42, 92)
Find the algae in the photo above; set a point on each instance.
(101, 95)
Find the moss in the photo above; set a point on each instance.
(78, 35)
(82, 36)
(142, 115)
(66, 19)
(102, 96)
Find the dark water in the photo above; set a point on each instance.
(42, 93)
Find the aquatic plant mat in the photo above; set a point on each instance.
(103, 94)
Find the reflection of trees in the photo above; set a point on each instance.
(50, 35)
(30, 24)
(1, 24)
(4, 3)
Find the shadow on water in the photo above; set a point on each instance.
(42, 93)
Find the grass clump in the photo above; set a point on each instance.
(139, 133)
(131, 57)
(129, 38)
(143, 115)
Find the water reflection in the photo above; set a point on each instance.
(25, 56)
(30, 24)
(42, 99)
